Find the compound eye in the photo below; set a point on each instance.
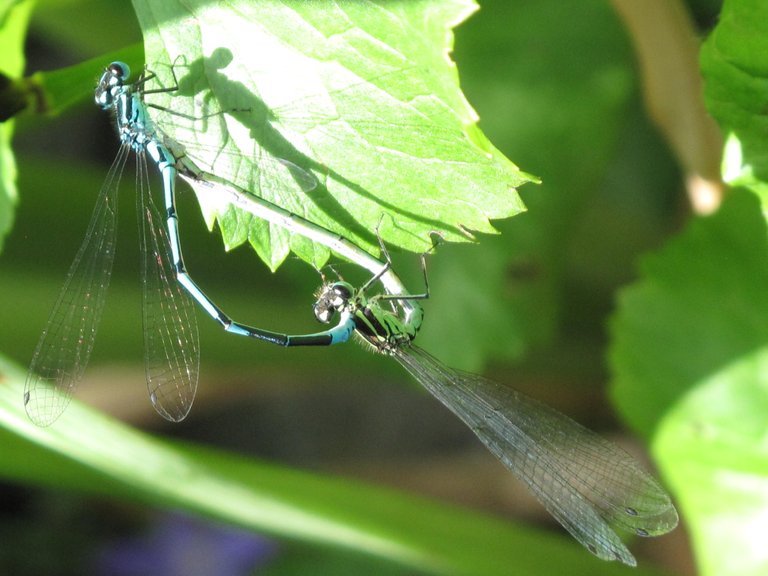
(119, 70)
(342, 290)
(324, 312)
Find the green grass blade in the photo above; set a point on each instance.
(89, 452)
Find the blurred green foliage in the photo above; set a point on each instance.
(556, 89)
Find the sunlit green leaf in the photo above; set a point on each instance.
(362, 95)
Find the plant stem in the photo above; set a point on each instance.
(667, 49)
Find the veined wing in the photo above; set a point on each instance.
(588, 484)
(171, 344)
(67, 341)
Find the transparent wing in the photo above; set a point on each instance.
(67, 341)
(171, 345)
(588, 484)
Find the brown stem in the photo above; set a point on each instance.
(667, 50)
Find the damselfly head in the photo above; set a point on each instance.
(331, 299)
(114, 75)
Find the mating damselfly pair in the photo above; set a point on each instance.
(588, 484)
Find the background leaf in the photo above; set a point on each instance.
(514, 288)
(692, 335)
(734, 62)
(14, 19)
